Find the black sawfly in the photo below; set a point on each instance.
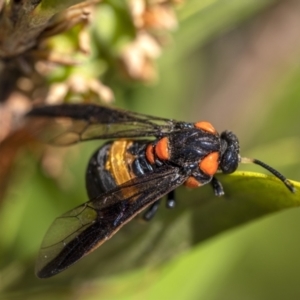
(130, 173)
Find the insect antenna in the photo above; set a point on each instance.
(286, 182)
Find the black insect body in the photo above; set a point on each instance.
(128, 174)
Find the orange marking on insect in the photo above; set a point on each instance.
(162, 150)
(206, 126)
(192, 182)
(150, 154)
(209, 165)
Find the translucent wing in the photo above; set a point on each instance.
(83, 229)
(70, 123)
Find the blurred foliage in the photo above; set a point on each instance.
(236, 64)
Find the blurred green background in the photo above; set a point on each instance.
(236, 64)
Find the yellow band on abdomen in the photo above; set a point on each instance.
(119, 160)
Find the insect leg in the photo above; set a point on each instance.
(151, 211)
(171, 202)
(217, 187)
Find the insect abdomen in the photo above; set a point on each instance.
(115, 163)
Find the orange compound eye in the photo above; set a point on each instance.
(206, 126)
(209, 165)
(150, 154)
(192, 182)
(162, 149)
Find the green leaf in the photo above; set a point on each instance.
(199, 215)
